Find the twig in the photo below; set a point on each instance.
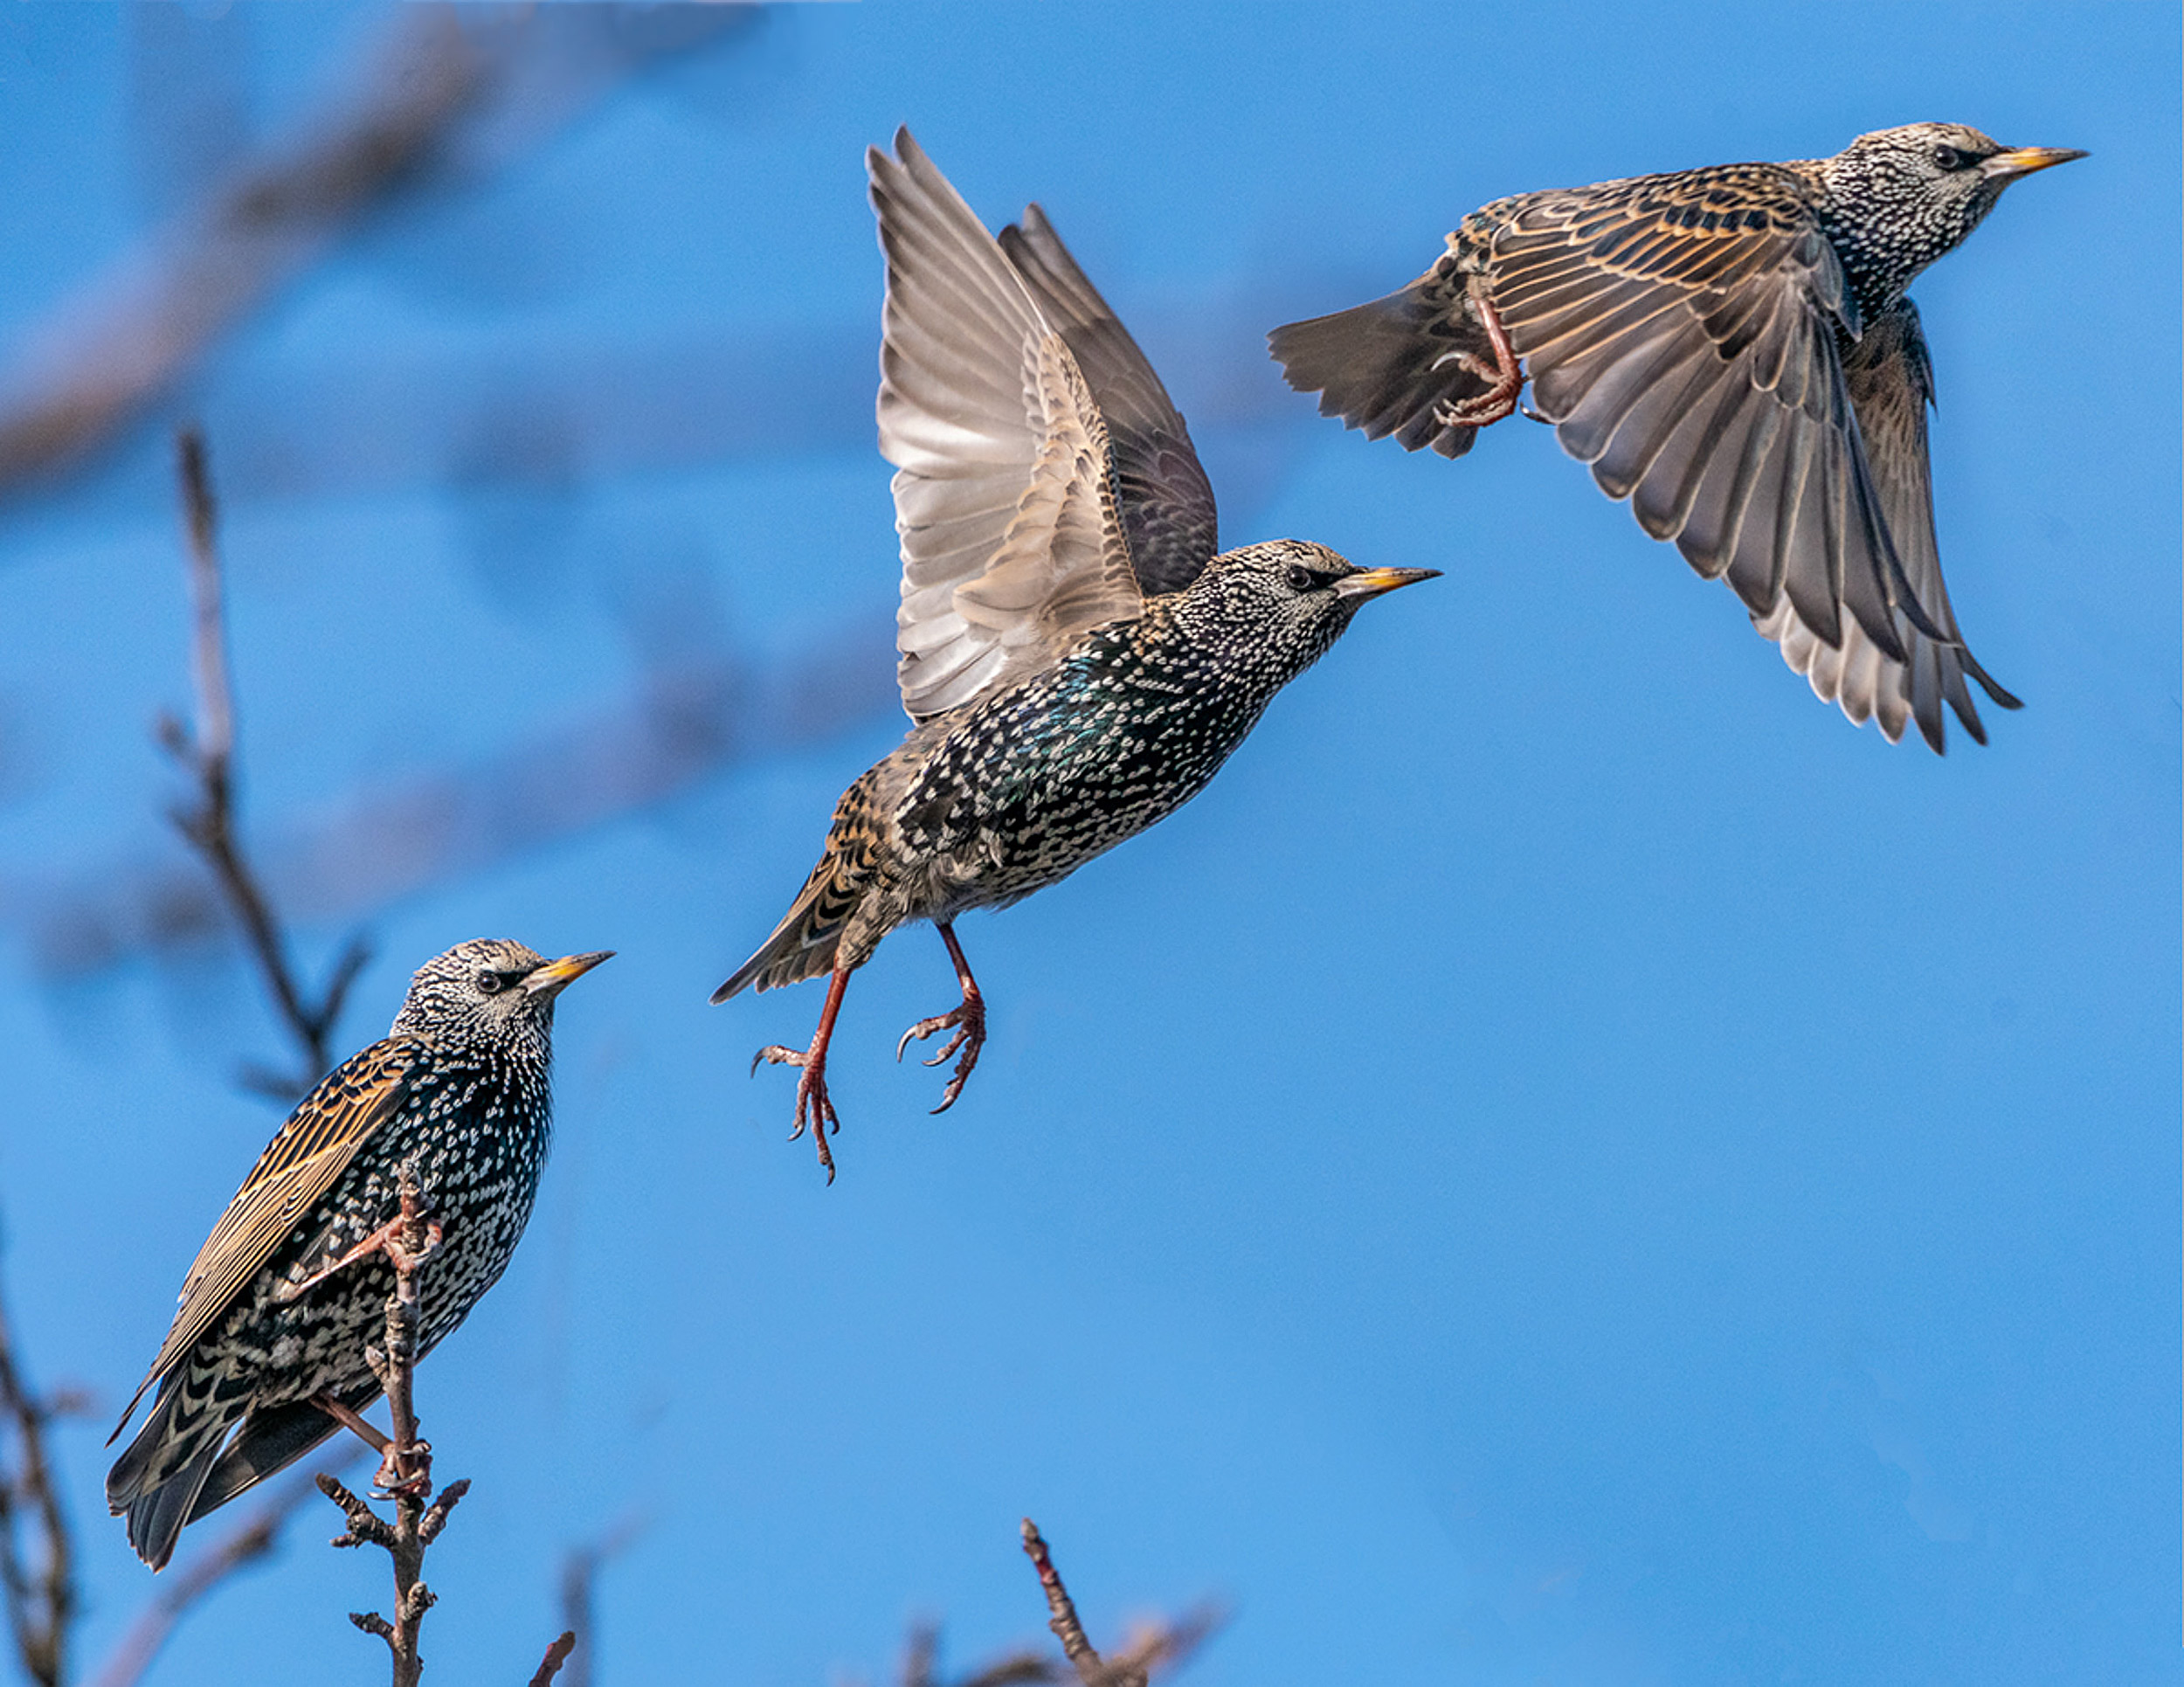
(1159, 1647)
(580, 1581)
(1062, 1613)
(556, 1655)
(405, 1469)
(40, 1597)
(688, 719)
(253, 1540)
(448, 96)
(208, 755)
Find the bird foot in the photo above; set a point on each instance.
(814, 1108)
(1504, 377)
(389, 1239)
(969, 1024)
(405, 1471)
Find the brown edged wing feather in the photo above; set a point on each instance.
(1398, 364)
(1684, 333)
(299, 1165)
(1891, 384)
(1161, 491)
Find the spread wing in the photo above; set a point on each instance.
(297, 1166)
(1891, 382)
(1004, 486)
(1683, 333)
(1160, 487)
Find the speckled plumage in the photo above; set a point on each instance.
(1730, 348)
(1077, 659)
(981, 806)
(459, 1092)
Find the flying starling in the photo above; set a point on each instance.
(269, 1339)
(1076, 658)
(1732, 350)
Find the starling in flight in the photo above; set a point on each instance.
(293, 1282)
(1077, 659)
(1732, 350)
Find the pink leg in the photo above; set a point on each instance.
(387, 1240)
(813, 1105)
(1504, 377)
(967, 1020)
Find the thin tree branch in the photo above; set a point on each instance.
(254, 1539)
(405, 1466)
(579, 1582)
(448, 90)
(39, 1584)
(1159, 1646)
(208, 755)
(686, 720)
(556, 1655)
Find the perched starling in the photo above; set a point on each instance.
(1732, 350)
(291, 1284)
(1076, 658)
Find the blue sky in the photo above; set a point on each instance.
(1569, 1163)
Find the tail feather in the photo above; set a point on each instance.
(1390, 365)
(156, 1517)
(268, 1443)
(803, 945)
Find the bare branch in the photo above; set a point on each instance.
(684, 721)
(39, 1583)
(254, 1539)
(406, 1464)
(556, 1655)
(445, 91)
(208, 755)
(1062, 1611)
(1160, 1645)
(579, 1579)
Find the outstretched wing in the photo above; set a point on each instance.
(1004, 493)
(297, 1166)
(1891, 382)
(1683, 334)
(1166, 500)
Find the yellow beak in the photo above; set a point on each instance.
(2023, 161)
(1372, 582)
(557, 976)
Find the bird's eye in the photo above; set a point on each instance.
(1947, 158)
(490, 983)
(1300, 578)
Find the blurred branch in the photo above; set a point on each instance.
(477, 85)
(579, 1581)
(687, 722)
(254, 1540)
(208, 756)
(405, 1463)
(38, 1574)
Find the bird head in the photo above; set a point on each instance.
(1286, 601)
(1920, 190)
(491, 990)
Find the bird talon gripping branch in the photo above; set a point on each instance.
(268, 1356)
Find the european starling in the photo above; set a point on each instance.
(269, 1338)
(1732, 350)
(1076, 658)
